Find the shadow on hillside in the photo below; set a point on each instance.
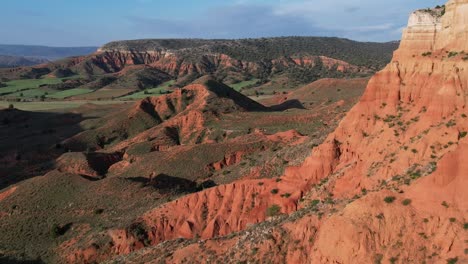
(166, 184)
(7, 260)
(31, 141)
(289, 104)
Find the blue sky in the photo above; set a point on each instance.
(95, 22)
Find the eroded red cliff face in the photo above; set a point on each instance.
(406, 138)
(179, 66)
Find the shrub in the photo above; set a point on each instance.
(465, 226)
(389, 199)
(378, 259)
(452, 54)
(11, 106)
(274, 191)
(273, 210)
(55, 231)
(138, 230)
(314, 203)
(463, 134)
(452, 219)
(406, 202)
(452, 260)
(444, 204)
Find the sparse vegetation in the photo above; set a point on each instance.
(406, 202)
(389, 199)
(452, 54)
(378, 258)
(273, 210)
(98, 211)
(314, 203)
(55, 231)
(138, 230)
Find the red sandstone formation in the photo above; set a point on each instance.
(117, 60)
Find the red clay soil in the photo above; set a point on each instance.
(5, 194)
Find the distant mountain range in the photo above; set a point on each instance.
(28, 55)
(7, 61)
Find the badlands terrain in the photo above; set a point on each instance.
(190, 151)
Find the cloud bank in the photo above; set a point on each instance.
(363, 20)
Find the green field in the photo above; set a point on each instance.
(70, 93)
(21, 85)
(239, 86)
(151, 92)
(32, 93)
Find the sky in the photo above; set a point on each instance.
(96, 22)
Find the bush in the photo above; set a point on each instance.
(389, 199)
(427, 54)
(452, 54)
(452, 260)
(406, 202)
(55, 231)
(11, 106)
(138, 230)
(274, 191)
(273, 210)
(462, 134)
(314, 203)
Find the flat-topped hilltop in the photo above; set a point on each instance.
(441, 28)
(358, 53)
